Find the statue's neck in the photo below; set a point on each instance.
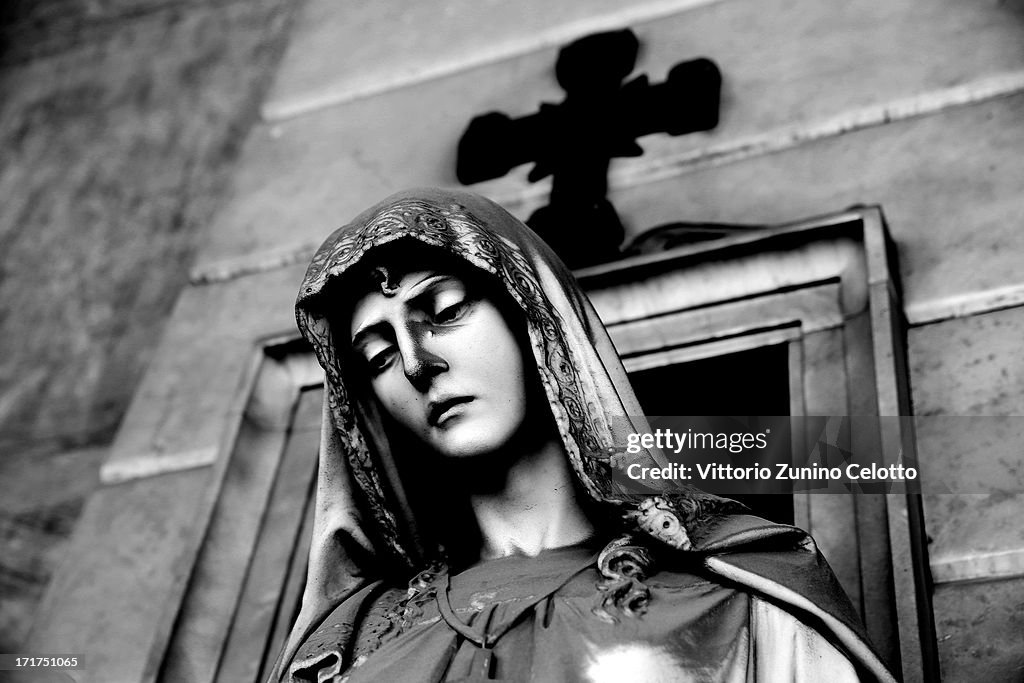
(535, 510)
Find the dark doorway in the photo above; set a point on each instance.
(754, 382)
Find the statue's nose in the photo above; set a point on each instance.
(420, 357)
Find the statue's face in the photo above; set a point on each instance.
(442, 360)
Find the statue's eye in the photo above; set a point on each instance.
(379, 361)
(452, 313)
(450, 303)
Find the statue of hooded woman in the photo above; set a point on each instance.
(467, 526)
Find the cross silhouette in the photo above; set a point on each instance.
(574, 141)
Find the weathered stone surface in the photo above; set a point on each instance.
(785, 64)
(196, 382)
(116, 154)
(34, 529)
(119, 125)
(948, 184)
(251, 631)
(971, 368)
(978, 627)
(371, 47)
(33, 29)
(131, 554)
(216, 586)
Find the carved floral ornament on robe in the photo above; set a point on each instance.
(364, 531)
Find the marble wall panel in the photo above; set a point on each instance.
(966, 373)
(978, 626)
(948, 185)
(116, 154)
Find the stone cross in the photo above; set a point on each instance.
(574, 141)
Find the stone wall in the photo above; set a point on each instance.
(120, 124)
(912, 105)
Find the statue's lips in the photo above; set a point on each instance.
(442, 410)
